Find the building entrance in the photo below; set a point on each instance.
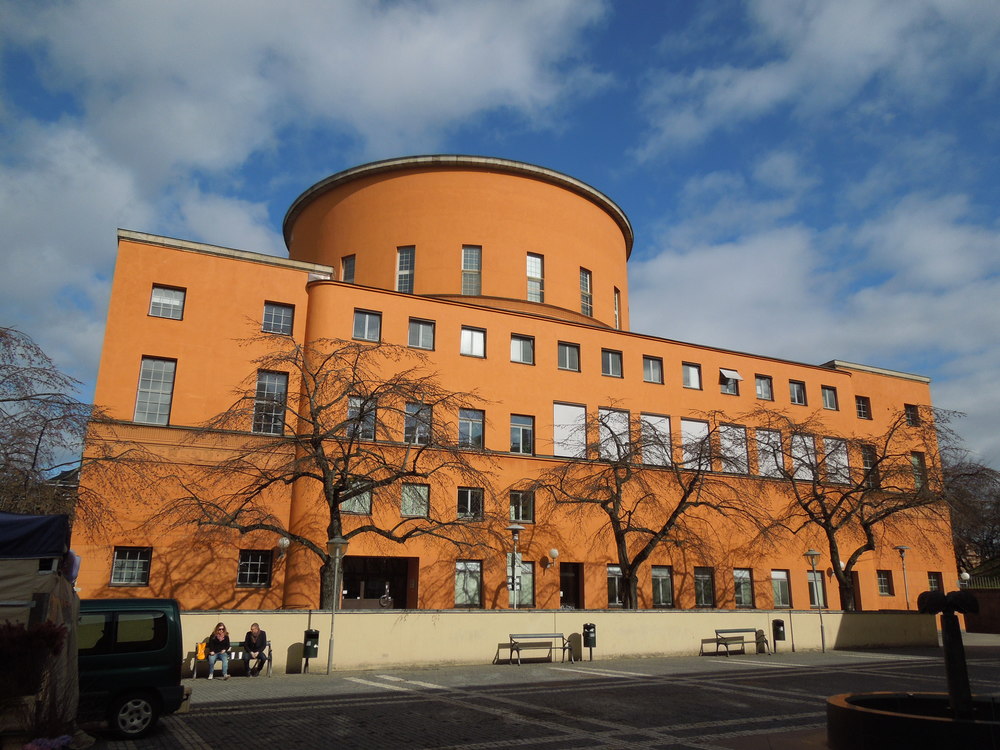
(570, 585)
(366, 578)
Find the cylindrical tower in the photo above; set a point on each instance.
(490, 232)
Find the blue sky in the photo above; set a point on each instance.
(807, 180)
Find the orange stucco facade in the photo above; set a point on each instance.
(435, 207)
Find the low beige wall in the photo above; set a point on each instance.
(396, 638)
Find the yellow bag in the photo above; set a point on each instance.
(201, 651)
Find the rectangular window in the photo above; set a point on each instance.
(803, 457)
(704, 587)
(421, 334)
(415, 501)
(269, 402)
(912, 412)
(167, 302)
(691, 375)
(829, 397)
(417, 423)
(130, 566)
(618, 309)
(278, 318)
(884, 582)
(613, 433)
(522, 349)
(470, 428)
(780, 589)
(586, 293)
(695, 445)
(655, 435)
(611, 363)
(743, 588)
(797, 392)
(472, 270)
(817, 589)
(470, 503)
(919, 469)
(361, 418)
(652, 369)
(770, 461)
(347, 269)
(935, 581)
(569, 430)
(616, 583)
(468, 583)
(663, 586)
(156, 389)
(367, 325)
(863, 406)
(536, 278)
(869, 463)
(733, 448)
(837, 469)
(522, 434)
(729, 382)
(473, 342)
(404, 268)
(523, 584)
(254, 569)
(359, 504)
(522, 506)
(569, 356)
(765, 387)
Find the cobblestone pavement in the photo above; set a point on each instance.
(706, 703)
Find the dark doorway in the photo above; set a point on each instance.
(365, 580)
(857, 591)
(570, 585)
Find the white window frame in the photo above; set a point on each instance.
(817, 589)
(691, 375)
(733, 449)
(525, 431)
(611, 363)
(781, 589)
(764, 385)
(522, 349)
(569, 430)
(522, 506)
(652, 369)
(278, 318)
(700, 578)
(838, 469)
(359, 505)
(167, 302)
(613, 433)
(130, 566)
(663, 586)
(863, 407)
(155, 392)
(803, 451)
(415, 500)
(472, 270)
(743, 593)
(655, 431)
(535, 269)
(572, 352)
(367, 325)
(616, 583)
(797, 393)
(729, 381)
(417, 423)
(473, 342)
(471, 428)
(270, 399)
(420, 334)
(770, 453)
(347, 267)
(470, 504)
(254, 569)
(830, 400)
(361, 415)
(405, 264)
(469, 583)
(695, 447)
(586, 292)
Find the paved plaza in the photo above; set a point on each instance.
(742, 702)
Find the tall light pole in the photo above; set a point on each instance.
(901, 548)
(337, 547)
(515, 531)
(817, 586)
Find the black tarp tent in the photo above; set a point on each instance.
(24, 536)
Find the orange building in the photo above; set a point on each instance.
(511, 279)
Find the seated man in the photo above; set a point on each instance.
(255, 647)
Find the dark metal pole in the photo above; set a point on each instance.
(959, 694)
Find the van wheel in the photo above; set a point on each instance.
(133, 715)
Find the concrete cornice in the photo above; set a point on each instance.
(841, 365)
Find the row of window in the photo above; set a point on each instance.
(168, 302)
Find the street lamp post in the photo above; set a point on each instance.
(337, 547)
(901, 548)
(515, 531)
(817, 586)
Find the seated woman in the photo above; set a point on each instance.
(218, 648)
(255, 647)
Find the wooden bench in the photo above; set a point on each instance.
(235, 654)
(548, 641)
(732, 637)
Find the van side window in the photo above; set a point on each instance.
(95, 633)
(141, 631)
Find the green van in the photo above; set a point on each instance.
(130, 657)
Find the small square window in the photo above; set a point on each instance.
(765, 387)
(729, 382)
(829, 397)
(415, 501)
(278, 318)
(935, 581)
(611, 363)
(863, 406)
(569, 356)
(130, 566)
(421, 334)
(912, 412)
(522, 506)
(367, 325)
(254, 568)
(470, 503)
(652, 369)
(473, 342)
(884, 582)
(522, 349)
(691, 375)
(797, 392)
(167, 302)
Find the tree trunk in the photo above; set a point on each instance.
(327, 584)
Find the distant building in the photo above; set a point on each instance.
(512, 279)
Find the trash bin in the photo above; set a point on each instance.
(589, 635)
(777, 630)
(310, 644)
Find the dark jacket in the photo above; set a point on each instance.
(250, 644)
(216, 646)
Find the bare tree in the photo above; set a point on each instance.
(853, 489)
(339, 423)
(649, 498)
(973, 492)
